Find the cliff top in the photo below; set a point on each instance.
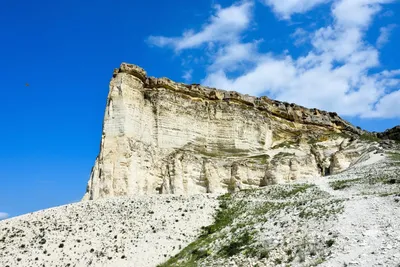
(288, 111)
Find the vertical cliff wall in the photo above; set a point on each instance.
(162, 137)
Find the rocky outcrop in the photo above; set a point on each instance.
(391, 134)
(163, 137)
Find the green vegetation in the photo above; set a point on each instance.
(389, 194)
(232, 150)
(341, 184)
(223, 152)
(195, 251)
(318, 261)
(394, 156)
(287, 121)
(328, 136)
(237, 223)
(369, 138)
(330, 242)
(237, 245)
(278, 192)
(285, 144)
(384, 180)
(262, 159)
(294, 190)
(319, 211)
(281, 155)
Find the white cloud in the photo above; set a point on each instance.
(3, 215)
(187, 75)
(336, 74)
(300, 36)
(356, 13)
(384, 35)
(224, 26)
(234, 55)
(286, 8)
(388, 106)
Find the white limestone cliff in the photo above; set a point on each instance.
(162, 137)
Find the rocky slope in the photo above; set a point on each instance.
(391, 134)
(162, 137)
(348, 219)
(121, 232)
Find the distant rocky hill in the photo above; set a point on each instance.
(392, 134)
(163, 137)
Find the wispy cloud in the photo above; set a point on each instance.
(223, 27)
(187, 75)
(3, 215)
(286, 8)
(300, 36)
(337, 73)
(384, 35)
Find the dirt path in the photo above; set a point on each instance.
(368, 231)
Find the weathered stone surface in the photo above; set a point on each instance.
(392, 134)
(164, 137)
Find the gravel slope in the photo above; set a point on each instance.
(369, 228)
(347, 219)
(118, 232)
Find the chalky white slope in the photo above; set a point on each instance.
(119, 232)
(348, 219)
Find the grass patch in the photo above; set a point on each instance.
(341, 184)
(327, 136)
(369, 138)
(389, 194)
(394, 156)
(386, 179)
(297, 189)
(285, 144)
(262, 159)
(277, 192)
(236, 227)
(237, 245)
(197, 250)
(324, 210)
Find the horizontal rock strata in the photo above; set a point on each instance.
(163, 137)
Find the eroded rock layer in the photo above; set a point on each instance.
(163, 137)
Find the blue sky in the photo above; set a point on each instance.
(339, 55)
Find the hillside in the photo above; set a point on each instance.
(194, 176)
(349, 218)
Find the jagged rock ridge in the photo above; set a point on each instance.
(164, 137)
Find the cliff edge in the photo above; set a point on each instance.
(164, 137)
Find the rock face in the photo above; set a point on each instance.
(163, 137)
(392, 134)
